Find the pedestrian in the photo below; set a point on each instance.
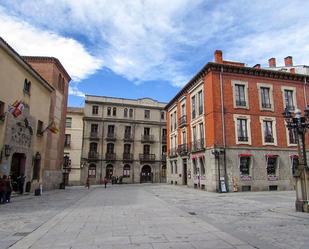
(88, 182)
(2, 190)
(105, 181)
(21, 182)
(8, 189)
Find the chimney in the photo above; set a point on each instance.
(218, 56)
(257, 66)
(288, 61)
(272, 62)
(292, 70)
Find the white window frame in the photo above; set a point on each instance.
(250, 168)
(290, 88)
(288, 137)
(248, 118)
(271, 97)
(274, 129)
(244, 83)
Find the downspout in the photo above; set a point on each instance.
(305, 95)
(223, 131)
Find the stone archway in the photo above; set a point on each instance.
(146, 174)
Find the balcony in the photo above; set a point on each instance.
(197, 145)
(94, 135)
(173, 152)
(93, 155)
(269, 139)
(147, 138)
(128, 137)
(110, 156)
(241, 103)
(182, 121)
(127, 157)
(147, 157)
(243, 139)
(183, 149)
(164, 139)
(111, 136)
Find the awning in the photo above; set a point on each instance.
(271, 156)
(244, 155)
(294, 156)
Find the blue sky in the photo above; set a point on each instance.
(144, 48)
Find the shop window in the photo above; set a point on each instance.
(92, 171)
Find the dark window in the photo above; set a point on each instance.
(93, 147)
(110, 148)
(193, 106)
(163, 172)
(292, 137)
(147, 149)
(39, 130)
(200, 102)
(265, 98)
(67, 140)
(95, 110)
(94, 128)
(295, 163)
(147, 114)
(202, 166)
(109, 111)
(110, 129)
(125, 112)
(162, 115)
(92, 170)
(127, 131)
(127, 148)
(268, 131)
(131, 113)
(244, 166)
(242, 131)
(171, 122)
(240, 95)
(27, 86)
(147, 131)
(126, 170)
(114, 111)
(271, 166)
(68, 122)
(288, 96)
(36, 168)
(171, 167)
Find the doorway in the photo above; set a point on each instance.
(184, 173)
(109, 171)
(18, 166)
(146, 175)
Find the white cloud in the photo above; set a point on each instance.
(29, 40)
(73, 90)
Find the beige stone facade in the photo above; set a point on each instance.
(22, 143)
(124, 138)
(73, 142)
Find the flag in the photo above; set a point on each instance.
(53, 128)
(16, 108)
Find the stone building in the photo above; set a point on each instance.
(226, 131)
(55, 74)
(73, 142)
(124, 138)
(23, 142)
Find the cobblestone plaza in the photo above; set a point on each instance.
(152, 216)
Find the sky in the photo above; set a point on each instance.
(151, 48)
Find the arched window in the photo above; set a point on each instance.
(126, 170)
(114, 111)
(109, 111)
(110, 148)
(131, 113)
(92, 170)
(125, 112)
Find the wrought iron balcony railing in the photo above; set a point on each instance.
(127, 157)
(111, 136)
(197, 145)
(182, 121)
(147, 157)
(183, 149)
(110, 156)
(128, 137)
(93, 155)
(147, 138)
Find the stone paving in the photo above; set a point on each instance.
(152, 216)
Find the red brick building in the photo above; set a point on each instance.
(226, 130)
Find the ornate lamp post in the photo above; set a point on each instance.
(299, 124)
(66, 169)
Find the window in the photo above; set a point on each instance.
(242, 131)
(126, 170)
(201, 128)
(184, 137)
(295, 162)
(110, 129)
(194, 134)
(67, 140)
(109, 111)
(27, 86)
(39, 130)
(194, 167)
(93, 147)
(202, 165)
(92, 170)
(268, 131)
(126, 148)
(68, 122)
(162, 115)
(244, 165)
(36, 167)
(292, 137)
(127, 132)
(125, 112)
(131, 113)
(200, 102)
(146, 149)
(272, 165)
(183, 109)
(240, 95)
(175, 120)
(110, 148)
(193, 106)
(94, 128)
(95, 110)
(171, 167)
(171, 121)
(146, 131)
(176, 169)
(147, 114)
(288, 97)
(163, 172)
(265, 98)
(114, 111)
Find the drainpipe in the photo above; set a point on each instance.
(305, 96)
(223, 130)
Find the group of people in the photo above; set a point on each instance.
(5, 189)
(105, 181)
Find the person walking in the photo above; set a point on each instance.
(8, 193)
(105, 181)
(2, 190)
(20, 183)
(88, 182)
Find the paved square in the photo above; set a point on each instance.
(152, 216)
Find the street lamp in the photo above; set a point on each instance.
(66, 169)
(299, 125)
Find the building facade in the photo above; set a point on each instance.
(23, 138)
(124, 138)
(55, 74)
(73, 141)
(226, 131)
